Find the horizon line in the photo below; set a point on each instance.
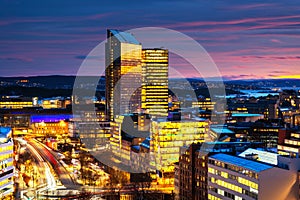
(225, 78)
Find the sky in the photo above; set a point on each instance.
(247, 39)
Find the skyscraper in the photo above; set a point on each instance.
(154, 98)
(123, 73)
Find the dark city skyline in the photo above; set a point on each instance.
(173, 100)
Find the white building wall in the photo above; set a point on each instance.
(277, 184)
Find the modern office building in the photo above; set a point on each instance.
(267, 106)
(232, 177)
(6, 164)
(12, 102)
(116, 137)
(192, 174)
(21, 118)
(14, 119)
(154, 96)
(125, 133)
(204, 104)
(288, 115)
(289, 143)
(289, 98)
(191, 177)
(91, 126)
(265, 131)
(95, 135)
(56, 102)
(246, 117)
(122, 73)
(220, 133)
(168, 136)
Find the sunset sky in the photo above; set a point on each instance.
(246, 39)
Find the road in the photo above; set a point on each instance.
(50, 178)
(44, 169)
(52, 158)
(48, 160)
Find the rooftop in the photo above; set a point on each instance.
(242, 162)
(221, 130)
(136, 148)
(246, 115)
(146, 143)
(195, 119)
(263, 156)
(4, 131)
(124, 37)
(49, 118)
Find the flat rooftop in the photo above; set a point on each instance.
(49, 118)
(4, 131)
(241, 162)
(263, 156)
(221, 130)
(246, 115)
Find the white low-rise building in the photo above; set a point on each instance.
(232, 177)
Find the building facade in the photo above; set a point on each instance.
(289, 143)
(6, 164)
(154, 96)
(232, 177)
(168, 136)
(122, 73)
(192, 174)
(16, 102)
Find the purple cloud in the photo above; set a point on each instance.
(15, 58)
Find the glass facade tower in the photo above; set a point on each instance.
(123, 73)
(154, 98)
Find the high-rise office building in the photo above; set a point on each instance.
(123, 73)
(154, 96)
(166, 139)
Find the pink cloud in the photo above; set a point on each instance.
(16, 58)
(276, 41)
(251, 6)
(239, 67)
(242, 76)
(54, 19)
(232, 22)
(29, 20)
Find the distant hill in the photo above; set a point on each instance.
(50, 82)
(34, 92)
(47, 86)
(268, 82)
